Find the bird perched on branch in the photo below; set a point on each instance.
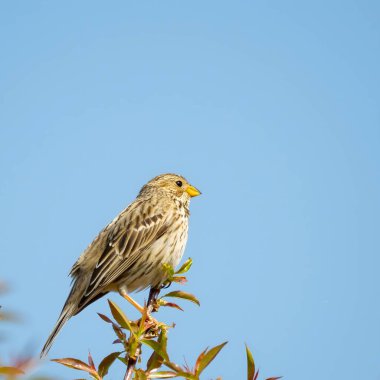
(130, 253)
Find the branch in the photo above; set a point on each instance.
(132, 360)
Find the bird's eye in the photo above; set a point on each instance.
(179, 183)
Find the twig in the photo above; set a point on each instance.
(130, 369)
(132, 360)
(152, 299)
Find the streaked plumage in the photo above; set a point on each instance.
(128, 255)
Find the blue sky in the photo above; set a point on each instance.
(271, 108)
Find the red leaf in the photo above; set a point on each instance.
(179, 279)
(105, 318)
(91, 361)
(162, 302)
(199, 359)
(75, 364)
(174, 305)
(119, 332)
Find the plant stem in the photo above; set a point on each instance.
(130, 368)
(132, 360)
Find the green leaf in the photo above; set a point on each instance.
(251, 370)
(157, 347)
(140, 375)
(183, 372)
(10, 371)
(188, 375)
(206, 357)
(162, 375)
(123, 360)
(156, 360)
(185, 266)
(120, 317)
(106, 363)
(75, 364)
(175, 367)
(168, 269)
(183, 295)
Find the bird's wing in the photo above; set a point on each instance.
(127, 238)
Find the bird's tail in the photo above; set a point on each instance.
(69, 309)
(67, 312)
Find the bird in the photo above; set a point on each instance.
(129, 254)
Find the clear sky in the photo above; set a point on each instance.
(270, 108)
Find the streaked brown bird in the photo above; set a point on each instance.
(128, 255)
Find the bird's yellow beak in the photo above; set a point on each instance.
(192, 191)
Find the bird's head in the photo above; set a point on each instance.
(172, 184)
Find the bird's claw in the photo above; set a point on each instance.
(151, 326)
(166, 284)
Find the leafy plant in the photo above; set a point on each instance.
(150, 333)
(133, 337)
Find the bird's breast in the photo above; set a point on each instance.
(168, 249)
(171, 246)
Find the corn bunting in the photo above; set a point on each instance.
(128, 255)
